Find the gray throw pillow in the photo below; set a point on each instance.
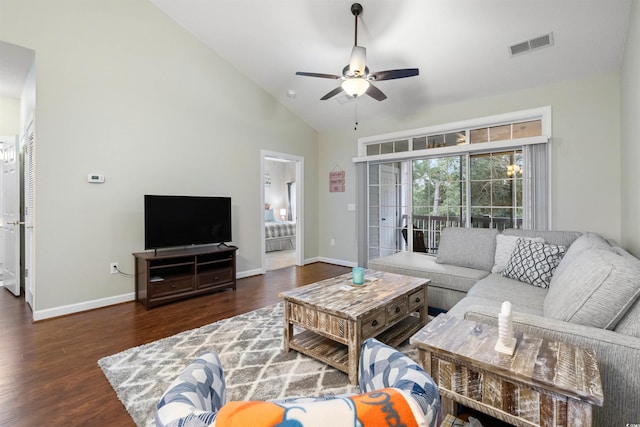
(596, 289)
(533, 262)
(467, 247)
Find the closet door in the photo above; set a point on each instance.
(29, 217)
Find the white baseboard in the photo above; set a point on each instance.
(82, 306)
(248, 273)
(118, 299)
(337, 262)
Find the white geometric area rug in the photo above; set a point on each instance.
(250, 349)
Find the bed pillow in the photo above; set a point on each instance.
(504, 248)
(269, 215)
(534, 262)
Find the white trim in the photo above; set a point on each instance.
(105, 302)
(249, 273)
(337, 262)
(541, 113)
(82, 306)
(458, 149)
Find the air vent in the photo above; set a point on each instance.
(344, 99)
(533, 44)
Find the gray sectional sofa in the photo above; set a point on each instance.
(566, 286)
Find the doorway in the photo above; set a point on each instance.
(282, 213)
(18, 169)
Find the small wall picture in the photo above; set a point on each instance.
(336, 182)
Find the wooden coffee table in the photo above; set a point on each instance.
(544, 383)
(336, 316)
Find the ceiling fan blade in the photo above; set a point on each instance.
(321, 75)
(332, 93)
(394, 74)
(375, 93)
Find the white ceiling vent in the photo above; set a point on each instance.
(533, 44)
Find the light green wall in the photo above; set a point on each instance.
(585, 156)
(124, 91)
(630, 132)
(9, 116)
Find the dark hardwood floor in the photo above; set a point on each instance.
(49, 374)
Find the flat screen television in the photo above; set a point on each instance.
(172, 221)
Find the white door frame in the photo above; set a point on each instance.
(299, 161)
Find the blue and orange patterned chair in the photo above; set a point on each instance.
(394, 390)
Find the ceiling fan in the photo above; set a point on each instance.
(356, 79)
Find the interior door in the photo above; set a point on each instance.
(11, 214)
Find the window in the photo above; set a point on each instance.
(488, 176)
(496, 190)
(439, 199)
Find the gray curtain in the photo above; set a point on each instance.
(536, 186)
(362, 209)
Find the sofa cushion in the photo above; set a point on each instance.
(467, 247)
(523, 297)
(422, 265)
(489, 305)
(596, 289)
(504, 248)
(560, 238)
(586, 241)
(630, 322)
(533, 262)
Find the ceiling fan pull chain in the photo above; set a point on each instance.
(355, 128)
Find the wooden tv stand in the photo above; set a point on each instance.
(166, 276)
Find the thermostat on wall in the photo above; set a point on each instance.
(96, 179)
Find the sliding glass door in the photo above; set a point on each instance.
(470, 190)
(388, 197)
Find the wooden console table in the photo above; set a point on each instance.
(544, 383)
(337, 317)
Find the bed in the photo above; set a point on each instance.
(278, 235)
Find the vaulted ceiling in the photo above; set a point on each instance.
(460, 46)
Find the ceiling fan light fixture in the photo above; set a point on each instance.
(358, 61)
(356, 79)
(355, 87)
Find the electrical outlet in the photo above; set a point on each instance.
(113, 268)
(333, 242)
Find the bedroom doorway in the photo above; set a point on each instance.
(282, 210)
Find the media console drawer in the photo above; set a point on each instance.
(172, 286)
(215, 277)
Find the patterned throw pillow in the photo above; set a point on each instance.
(533, 262)
(504, 248)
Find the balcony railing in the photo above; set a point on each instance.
(427, 228)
